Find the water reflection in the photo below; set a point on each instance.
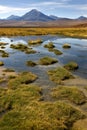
(17, 59)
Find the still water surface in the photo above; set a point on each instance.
(17, 59)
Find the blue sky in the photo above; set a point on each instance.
(61, 8)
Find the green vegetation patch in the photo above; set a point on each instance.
(18, 98)
(4, 54)
(66, 46)
(71, 66)
(73, 94)
(19, 46)
(1, 63)
(23, 48)
(47, 60)
(2, 79)
(59, 74)
(3, 43)
(49, 45)
(56, 51)
(31, 63)
(23, 78)
(8, 70)
(41, 116)
(35, 42)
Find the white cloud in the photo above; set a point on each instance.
(5, 11)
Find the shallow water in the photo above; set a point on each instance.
(17, 60)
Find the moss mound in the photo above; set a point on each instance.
(49, 45)
(4, 54)
(23, 78)
(31, 63)
(47, 60)
(23, 48)
(41, 116)
(1, 63)
(59, 74)
(72, 94)
(71, 66)
(66, 46)
(8, 70)
(56, 51)
(35, 42)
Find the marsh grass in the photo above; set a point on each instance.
(66, 46)
(35, 42)
(72, 94)
(47, 60)
(71, 32)
(1, 63)
(23, 110)
(59, 74)
(31, 63)
(4, 54)
(23, 48)
(8, 70)
(56, 51)
(49, 45)
(23, 78)
(41, 116)
(71, 66)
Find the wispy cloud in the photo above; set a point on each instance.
(47, 6)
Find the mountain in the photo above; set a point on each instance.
(13, 17)
(35, 15)
(82, 18)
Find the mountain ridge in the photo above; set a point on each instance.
(35, 15)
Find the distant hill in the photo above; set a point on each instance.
(13, 17)
(82, 18)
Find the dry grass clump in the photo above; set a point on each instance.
(31, 63)
(56, 51)
(3, 43)
(23, 48)
(59, 74)
(47, 60)
(72, 94)
(49, 45)
(4, 54)
(35, 42)
(66, 46)
(1, 63)
(23, 78)
(41, 116)
(8, 70)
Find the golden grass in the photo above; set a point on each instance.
(72, 32)
(72, 94)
